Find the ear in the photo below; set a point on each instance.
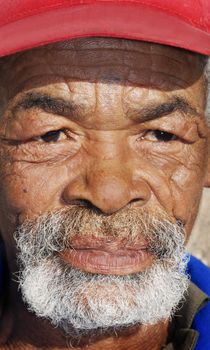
(207, 177)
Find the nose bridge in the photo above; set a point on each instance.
(109, 185)
(109, 171)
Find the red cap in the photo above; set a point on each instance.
(25, 24)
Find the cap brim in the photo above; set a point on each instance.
(107, 19)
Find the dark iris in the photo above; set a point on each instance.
(164, 136)
(51, 136)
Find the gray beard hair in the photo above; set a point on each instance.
(78, 301)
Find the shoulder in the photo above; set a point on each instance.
(200, 274)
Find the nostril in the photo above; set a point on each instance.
(81, 203)
(84, 203)
(135, 200)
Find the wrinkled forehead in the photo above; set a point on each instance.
(104, 59)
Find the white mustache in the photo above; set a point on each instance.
(58, 230)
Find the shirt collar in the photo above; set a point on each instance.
(183, 336)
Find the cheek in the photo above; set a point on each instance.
(187, 184)
(27, 190)
(175, 175)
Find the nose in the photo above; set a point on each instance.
(108, 189)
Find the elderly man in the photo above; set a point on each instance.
(104, 146)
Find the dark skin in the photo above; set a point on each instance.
(111, 122)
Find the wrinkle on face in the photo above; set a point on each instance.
(114, 83)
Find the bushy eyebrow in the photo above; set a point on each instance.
(176, 104)
(46, 103)
(69, 109)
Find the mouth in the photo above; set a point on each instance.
(108, 258)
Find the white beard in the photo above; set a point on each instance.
(70, 298)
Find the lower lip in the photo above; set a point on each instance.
(109, 263)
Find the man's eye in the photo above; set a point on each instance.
(158, 135)
(52, 136)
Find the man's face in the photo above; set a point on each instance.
(111, 127)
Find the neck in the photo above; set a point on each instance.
(29, 332)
